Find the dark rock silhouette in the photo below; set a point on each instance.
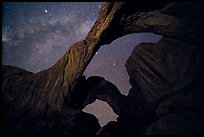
(166, 93)
(111, 128)
(107, 92)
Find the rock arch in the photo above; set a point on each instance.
(107, 92)
(51, 93)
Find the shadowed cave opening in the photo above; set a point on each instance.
(109, 63)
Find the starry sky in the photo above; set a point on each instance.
(37, 34)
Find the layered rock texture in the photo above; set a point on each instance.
(166, 93)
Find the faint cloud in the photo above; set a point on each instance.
(86, 26)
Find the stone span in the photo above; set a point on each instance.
(165, 77)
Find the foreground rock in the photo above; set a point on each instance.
(167, 75)
(24, 118)
(166, 94)
(165, 78)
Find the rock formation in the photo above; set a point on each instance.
(166, 95)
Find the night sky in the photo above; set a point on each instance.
(36, 34)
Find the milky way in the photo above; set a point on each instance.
(35, 35)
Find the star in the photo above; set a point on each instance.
(46, 32)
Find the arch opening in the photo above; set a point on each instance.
(109, 61)
(104, 112)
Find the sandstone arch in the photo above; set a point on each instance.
(45, 94)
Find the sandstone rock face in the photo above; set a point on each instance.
(21, 117)
(168, 77)
(164, 68)
(165, 78)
